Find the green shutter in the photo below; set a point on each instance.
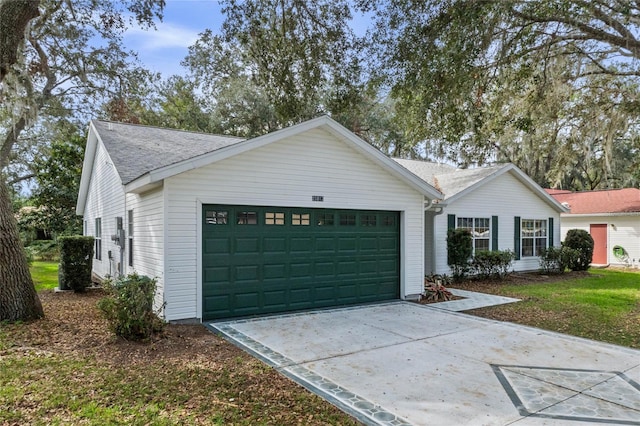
(516, 236)
(451, 221)
(550, 232)
(494, 233)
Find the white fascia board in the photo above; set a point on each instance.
(334, 127)
(87, 169)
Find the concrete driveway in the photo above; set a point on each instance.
(403, 363)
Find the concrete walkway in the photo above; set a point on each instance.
(402, 363)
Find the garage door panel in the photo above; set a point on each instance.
(278, 259)
(275, 271)
(300, 245)
(217, 245)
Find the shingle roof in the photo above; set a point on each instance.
(136, 150)
(448, 179)
(625, 200)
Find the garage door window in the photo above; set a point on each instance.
(246, 218)
(216, 217)
(300, 219)
(368, 220)
(274, 218)
(388, 221)
(325, 219)
(347, 219)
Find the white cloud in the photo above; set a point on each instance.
(165, 36)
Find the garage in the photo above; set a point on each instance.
(258, 260)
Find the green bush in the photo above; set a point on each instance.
(580, 240)
(555, 260)
(76, 255)
(492, 264)
(459, 251)
(128, 307)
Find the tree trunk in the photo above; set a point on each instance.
(18, 297)
(14, 17)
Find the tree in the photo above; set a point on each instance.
(60, 58)
(57, 176)
(481, 81)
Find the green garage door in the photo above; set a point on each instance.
(260, 260)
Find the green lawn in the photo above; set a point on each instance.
(44, 274)
(604, 306)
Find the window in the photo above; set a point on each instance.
(85, 228)
(130, 232)
(216, 217)
(300, 219)
(388, 220)
(534, 236)
(480, 230)
(367, 220)
(274, 218)
(325, 219)
(347, 219)
(98, 239)
(246, 218)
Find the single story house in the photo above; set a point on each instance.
(308, 216)
(502, 207)
(305, 217)
(612, 217)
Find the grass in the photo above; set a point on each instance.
(604, 305)
(44, 274)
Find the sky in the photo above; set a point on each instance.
(162, 49)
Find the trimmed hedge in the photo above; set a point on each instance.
(580, 240)
(76, 257)
(492, 264)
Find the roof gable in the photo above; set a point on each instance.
(626, 200)
(456, 183)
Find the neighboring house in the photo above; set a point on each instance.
(501, 206)
(612, 217)
(308, 216)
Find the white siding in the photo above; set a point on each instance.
(105, 200)
(285, 173)
(623, 230)
(148, 237)
(505, 197)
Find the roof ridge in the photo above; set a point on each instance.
(170, 129)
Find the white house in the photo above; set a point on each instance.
(308, 216)
(502, 207)
(612, 217)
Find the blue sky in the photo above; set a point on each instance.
(162, 49)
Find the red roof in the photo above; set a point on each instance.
(625, 200)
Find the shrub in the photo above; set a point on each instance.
(492, 264)
(47, 250)
(76, 255)
(459, 251)
(580, 240)
(555, 260)
(434, 289)
(128, 307)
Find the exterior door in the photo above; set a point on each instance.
(259, 260)
(599, 234)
